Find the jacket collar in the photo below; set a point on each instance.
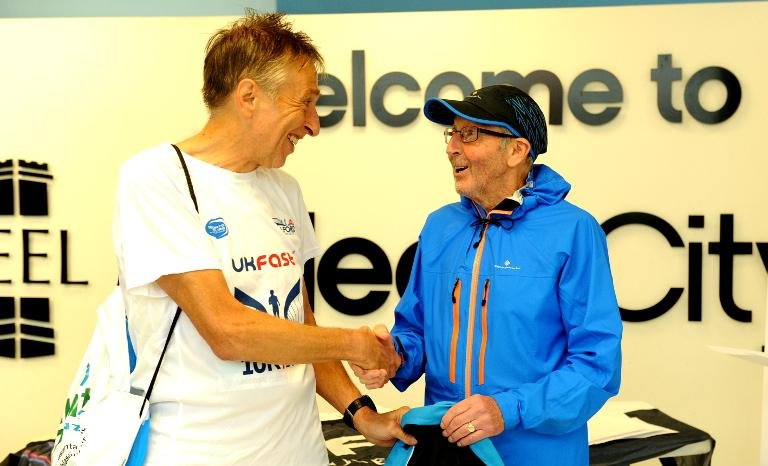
(544, 186)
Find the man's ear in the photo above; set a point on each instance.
(519, 150)
(248, 97)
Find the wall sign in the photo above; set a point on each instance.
(25, 321)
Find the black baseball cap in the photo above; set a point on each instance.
(498, 105)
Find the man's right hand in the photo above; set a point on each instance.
(377, 376)
(382, 429)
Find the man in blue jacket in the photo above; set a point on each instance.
(510, 310)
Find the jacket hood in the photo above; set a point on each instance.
(544, 186)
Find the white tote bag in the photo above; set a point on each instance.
(109, 428)
(101, 415)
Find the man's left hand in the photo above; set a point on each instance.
(472, 419)
(382, 429)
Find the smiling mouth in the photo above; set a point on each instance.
(293, 139)
(459, 169)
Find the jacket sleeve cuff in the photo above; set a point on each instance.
(510, 409)
(411, 367)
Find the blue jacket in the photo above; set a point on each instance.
(518, 304)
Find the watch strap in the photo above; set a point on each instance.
(353, 407)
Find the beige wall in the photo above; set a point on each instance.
(84, 94)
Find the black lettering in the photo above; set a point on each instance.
(762, 248)
(378, 92)
(236, 268)
(674, 240)
(338, 98)
(65, 262)
(249, 265)
(334, 93)
(330, 276)
(612, 94)
(358, 88)
(27, 255)
(726, 248)
(695, 253)
(5, 254)
(665, 75)
(732, 97)
(449, 78)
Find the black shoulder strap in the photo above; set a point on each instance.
(178, 309)
(186, 174)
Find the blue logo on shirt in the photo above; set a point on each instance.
(217, 228)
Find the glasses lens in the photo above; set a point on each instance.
(448, 132)
(469, 134)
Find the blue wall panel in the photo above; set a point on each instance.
(366, 6)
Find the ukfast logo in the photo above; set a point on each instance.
(217, 228)
(275, 260)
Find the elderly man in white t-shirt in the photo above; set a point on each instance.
(238, 382)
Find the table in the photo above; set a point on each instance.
(689, 447)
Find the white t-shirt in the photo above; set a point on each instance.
(254, 227)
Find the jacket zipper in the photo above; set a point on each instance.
(456, 298)
(484, 341)
(480, 245)
(471, 318)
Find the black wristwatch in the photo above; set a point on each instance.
(364, 400)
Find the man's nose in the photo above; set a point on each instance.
(312, 122)
(454, 144)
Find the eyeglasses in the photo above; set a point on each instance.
(471, 133)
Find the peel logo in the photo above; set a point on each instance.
(217, 228)
(288, 227)
(25, 321)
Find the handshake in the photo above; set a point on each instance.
(378, 361)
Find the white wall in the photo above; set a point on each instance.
(84, 94)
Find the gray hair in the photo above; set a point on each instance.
(256, 46)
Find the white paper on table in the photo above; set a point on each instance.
(611, 423)
(757, 357)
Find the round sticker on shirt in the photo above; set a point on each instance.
(217, 228)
